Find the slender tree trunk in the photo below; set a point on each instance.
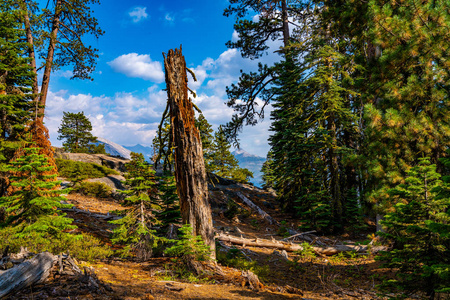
(334, 172)
(3, 111)
(284, 16)
(49, 60)
(31, 53)
(190, 171)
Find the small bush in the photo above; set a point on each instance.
(77, 171)
(235, 259)
(189, 246)
(307, 252)
(94, 189)
(82, 246)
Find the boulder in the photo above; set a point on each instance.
(116, 163)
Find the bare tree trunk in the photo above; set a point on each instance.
(284, 16)
(49, 60)
(31, 53)
(190, 171)
(26, 274)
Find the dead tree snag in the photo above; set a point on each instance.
(190, 174)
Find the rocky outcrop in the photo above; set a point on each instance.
(113, 181)
(116, 163)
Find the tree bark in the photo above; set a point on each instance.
(329, 250)
(26, 274)
(190, 174)
(49, 59)
(31, 53)
(285, 19)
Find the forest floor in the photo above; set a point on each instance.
(349, 276)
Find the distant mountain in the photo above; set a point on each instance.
(114, 149)
(146, 151)
(252, 162)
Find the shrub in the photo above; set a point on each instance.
(235, 259)
(94, 189)
(77, 171)
(82, 246)
(189, 246)
(418, 226)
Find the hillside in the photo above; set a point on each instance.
(284, 275)
(246, 160)
(146, 151)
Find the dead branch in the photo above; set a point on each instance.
(255, 207)
(291, 247)
(26, 274)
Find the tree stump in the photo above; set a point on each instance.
(190, 174)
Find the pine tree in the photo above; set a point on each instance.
(313, 116)
(257, 23)
(206, 135)
(418, 227)
(15, 75)
(407, 108)
(135, 228)
(170, 204)
(162, 143)
(15, 92)
(33, 206)
(76, 131)
(223, 163)
(60, 28)
(268, 175)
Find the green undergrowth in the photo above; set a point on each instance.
(81, 246)
(93, 189)
(235, 259)
(77, 171)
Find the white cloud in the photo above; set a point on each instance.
(129, 118)
(138, 14)
(139, 66)
(64, 74)
(123, 118)
(170, 18)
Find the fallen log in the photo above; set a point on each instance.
(30, 272)
(289, 246)
(261, 212)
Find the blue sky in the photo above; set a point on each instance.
(125, 100)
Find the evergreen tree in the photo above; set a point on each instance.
(268, 174)
(56, 36)
(223, 163)
(162, 143)
(257, 23)
(135, 228)
(418, 225)
(407, 108)
(206, 135)
(76, 131)
(15, 75)
(32, 208)
(170, 204)
(313, 119)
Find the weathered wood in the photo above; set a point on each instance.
(30, 272)
(289, 246)
(190, 174)
(298, 235)
(255, 207)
